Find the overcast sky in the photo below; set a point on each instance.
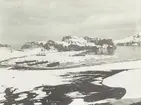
(31, 20)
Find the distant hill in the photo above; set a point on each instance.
(5, 47)
(5, 51)
(74, 43)
(134, 40)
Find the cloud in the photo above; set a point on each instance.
(51, 19)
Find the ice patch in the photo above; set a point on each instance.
(75, 95)
(78, 102)
(21, 97)
(40, 94)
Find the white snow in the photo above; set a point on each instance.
(21, 97)
(134, 38)
(41, 94)
(62, 42)
(78, 102)
(62, 57)
(116, 66)
(4, 52)
(75, 95)
(80, 41)
(125, 40)
(103, 67)
(26, 80)
(7, 53)
(130, 80)
(101, 102)
(37, 103)
(99, 79)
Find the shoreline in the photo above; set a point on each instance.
(15, 67)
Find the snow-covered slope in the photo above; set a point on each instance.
(7, 52)
(130, 41)
(80, 41)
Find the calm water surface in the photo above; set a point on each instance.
(122, 53)
(128, 53)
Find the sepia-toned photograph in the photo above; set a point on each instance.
(70, 52)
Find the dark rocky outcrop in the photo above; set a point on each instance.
(52, 44)
(4, 45)
(30, 45)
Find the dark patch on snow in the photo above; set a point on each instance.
(56, 95)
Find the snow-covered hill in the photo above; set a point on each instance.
(74, 43)
(7, 52)
(32, 45)
(130, 41)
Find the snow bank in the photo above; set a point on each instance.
(7, 53)
(27, 80)
(130, 80)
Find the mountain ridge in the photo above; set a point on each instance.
(134, 40)
(72, 43)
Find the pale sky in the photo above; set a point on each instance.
(32, 20)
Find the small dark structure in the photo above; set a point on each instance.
(36, 63)
(53, 64)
